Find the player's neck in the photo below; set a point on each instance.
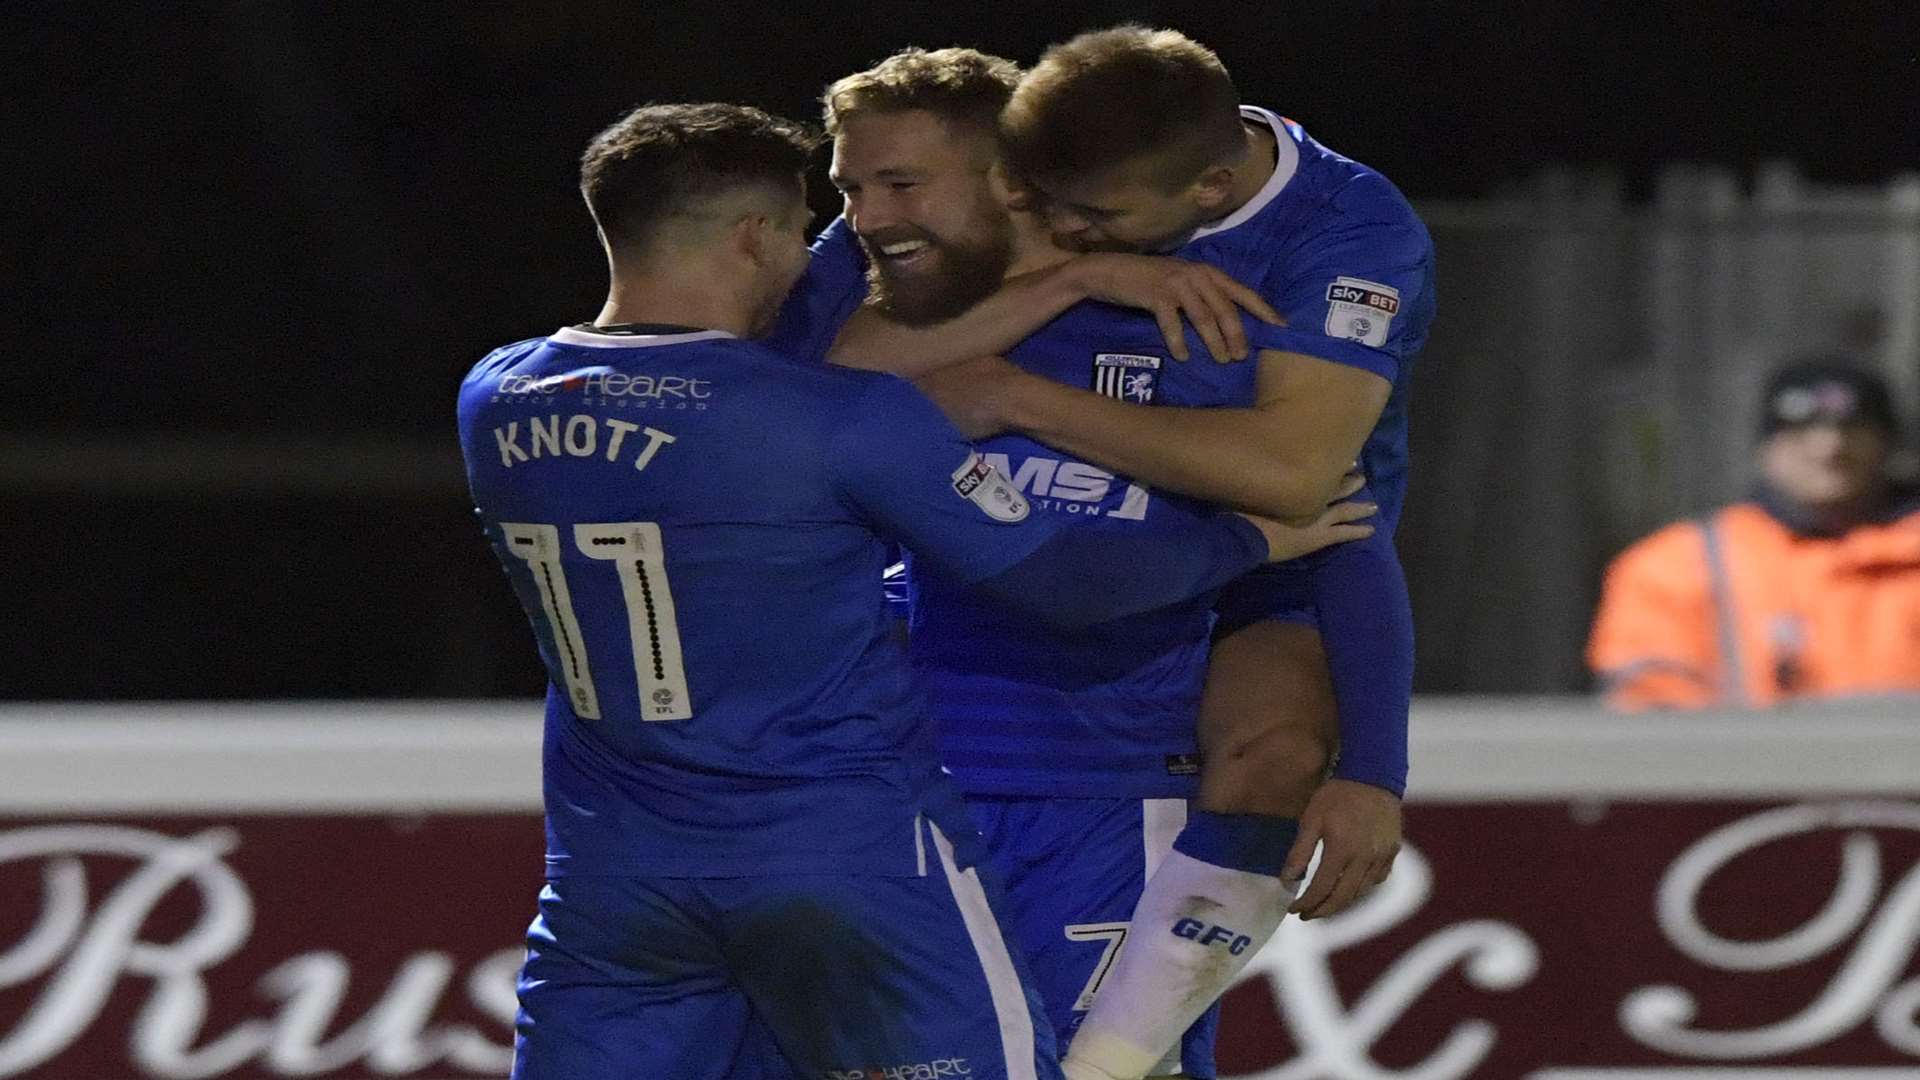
(675, 300)
(1033, 246)
(1262, 159)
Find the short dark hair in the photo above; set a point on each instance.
(660, 161)
(1111, 97)
(963, 86)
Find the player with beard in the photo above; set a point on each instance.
(925, 284)
(1079, 750)
(921, 277)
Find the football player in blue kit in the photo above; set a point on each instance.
(1100, 716)
(1137, 138)
(749, 840)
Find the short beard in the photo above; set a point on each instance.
(966, 274)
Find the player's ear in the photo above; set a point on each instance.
(1213, 187)
(752, 237)
(1009, 191)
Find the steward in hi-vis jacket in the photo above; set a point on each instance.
(1811, 589)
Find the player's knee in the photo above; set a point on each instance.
(1268, 723)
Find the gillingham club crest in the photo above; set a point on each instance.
(1125, 377)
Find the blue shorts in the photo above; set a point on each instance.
(1072, 871)
(823, 976)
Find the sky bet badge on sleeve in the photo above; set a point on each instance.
(1361, 310)
(1124, 377)
(986, 488)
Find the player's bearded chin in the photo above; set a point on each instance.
(947, 280)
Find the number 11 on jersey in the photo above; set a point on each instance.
(634, 547)
(653, 630)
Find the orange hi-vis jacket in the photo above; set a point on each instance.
(1739, 610)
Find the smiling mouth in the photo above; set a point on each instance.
(903, 254)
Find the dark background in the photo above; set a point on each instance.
(252, 247)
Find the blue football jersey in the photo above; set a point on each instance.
(696, 527)
(1109, 711)
(1337, 250)
(1105, 711)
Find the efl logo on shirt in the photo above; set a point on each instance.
(1360, 310)
(1125, 377)
(981, 484)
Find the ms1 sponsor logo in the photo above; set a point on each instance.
(1210, 935)
(1070, 487)
(925, 1070)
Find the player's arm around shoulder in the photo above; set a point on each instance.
(1356, 305)
(1313, 417)
(906, 473)
(1285, 457)
(1176, 292)
(875, 342)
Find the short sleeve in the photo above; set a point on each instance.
(1360, 294)
(827, 295)
(906, 472)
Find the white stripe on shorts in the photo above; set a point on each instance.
(919, 848)
(1160, 821)
(1003, 982)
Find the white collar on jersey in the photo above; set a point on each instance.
(573, 335)
(1286, 163)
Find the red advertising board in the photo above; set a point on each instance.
(1577, 938)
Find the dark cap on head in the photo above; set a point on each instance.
(1826, 390)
